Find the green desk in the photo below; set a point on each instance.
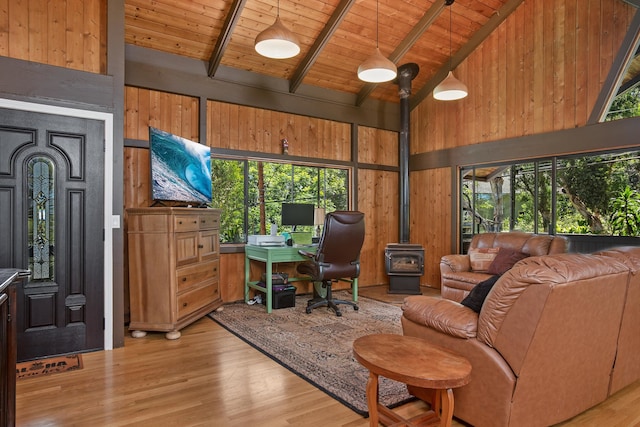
(270, 255)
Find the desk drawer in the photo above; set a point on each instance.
(190, 276)
(197, 298)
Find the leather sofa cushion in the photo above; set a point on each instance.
(481, 258)
(442, 315)
(505, 259)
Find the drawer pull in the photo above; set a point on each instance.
(180, 222)
(184, 304)
(184, 279)
(200, 246)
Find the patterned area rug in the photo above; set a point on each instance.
(318, 346)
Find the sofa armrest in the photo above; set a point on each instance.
(442, 315)
(455, 263)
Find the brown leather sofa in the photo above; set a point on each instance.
(627, 366)
(556, 335)
(457, 276)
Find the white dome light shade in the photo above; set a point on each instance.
(450, 89)
(377, 69)
(277, 42)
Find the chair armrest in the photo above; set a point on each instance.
(306, 253)
(455, 263)
(442, 315)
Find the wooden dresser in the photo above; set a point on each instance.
(173, 267)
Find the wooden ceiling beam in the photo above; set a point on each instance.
(323, 38)
(412, 38)
(466, 50)
(225, 36)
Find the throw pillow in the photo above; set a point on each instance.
(481, 258)
(479, 293)
(504, 260)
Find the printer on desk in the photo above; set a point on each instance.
(266, 240)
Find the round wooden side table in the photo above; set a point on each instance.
(416, 362)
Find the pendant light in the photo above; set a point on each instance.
(277, 41)
(377, 68)
(450, 89)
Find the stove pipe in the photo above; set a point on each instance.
(406, 73)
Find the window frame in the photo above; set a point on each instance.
(245, 160)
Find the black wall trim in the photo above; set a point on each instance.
(253, 155)
(115, 68)
(171, 73)
(58, 86)
(136, 143)
(613, 135)
(139, 143)
(385, 168)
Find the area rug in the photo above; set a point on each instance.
(52, 365)
(318, 346)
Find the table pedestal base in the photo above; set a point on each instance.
(440, 414)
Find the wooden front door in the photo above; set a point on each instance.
(51, 222)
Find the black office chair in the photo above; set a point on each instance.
(337, 257)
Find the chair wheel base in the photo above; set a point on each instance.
(330, 303)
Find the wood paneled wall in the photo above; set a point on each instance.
(65, 33)
(166, 111)
(540, 71)
(430, 218)
(169, 112)
(239, 127)
(377, 146)
(378, 199)
(249, 129)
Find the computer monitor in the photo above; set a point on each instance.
(295, 214)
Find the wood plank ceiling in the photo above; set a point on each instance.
(335, 36)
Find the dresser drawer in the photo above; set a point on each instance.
(190, 276)
(199, 297)
(186, 223)
(210, 221)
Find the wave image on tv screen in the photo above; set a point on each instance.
(180, 168)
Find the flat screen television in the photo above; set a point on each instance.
(297, 214)
(180, 169)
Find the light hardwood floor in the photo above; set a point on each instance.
(211, 378)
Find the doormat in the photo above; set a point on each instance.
(52, 365)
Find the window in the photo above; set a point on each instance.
(41, 218)
(250, 193)
(596, 194)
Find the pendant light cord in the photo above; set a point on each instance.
(450, 28)
(278, 10)
(377, 23)
(449, 3)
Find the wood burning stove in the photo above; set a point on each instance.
(404, 263)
